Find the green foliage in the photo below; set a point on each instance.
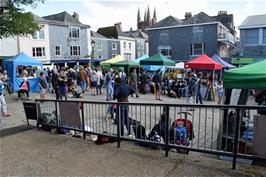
(14, 21)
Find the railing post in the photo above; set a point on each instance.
(56, 114)
(236, 139)
(83, 121)
(118, 124)
(167, 131)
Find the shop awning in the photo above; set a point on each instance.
(222, 62)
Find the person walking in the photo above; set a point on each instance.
(133, 80)
(83, 79)
(99, 81)
(121, 94)
(199, 95)
(157, 84)
(192, 89)
(220, 92)
(43, 85)
(94, 80)
(62, 81)
(3, 105)
(109, 85)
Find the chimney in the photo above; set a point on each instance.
(188, 15)
(76, 16)
(119, 25)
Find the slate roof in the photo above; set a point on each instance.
(64, 18)
(196, 19)
(112, 32)
(167, 22)
(97, 35)
(199, 18)
(39, 19)
(255, 20)
(137, 34)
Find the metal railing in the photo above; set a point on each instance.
(221, 130)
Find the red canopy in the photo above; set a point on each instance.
(203, 62)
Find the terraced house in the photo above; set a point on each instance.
(127, 43)
(35, 45)
(184, 39)
(69, 39)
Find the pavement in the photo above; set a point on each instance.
(26, 151)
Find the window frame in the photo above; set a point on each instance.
(114, 44)
(74, 32)
(38, 52)
(246, 37)
(74, 50)
(192, 49)
(57, 50)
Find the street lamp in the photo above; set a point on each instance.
(92, 51)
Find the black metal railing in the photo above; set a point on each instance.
(222, 130)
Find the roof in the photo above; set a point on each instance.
(39, 19)
(254, 21)
(112, 31)
(64, 18)
(137, 34)
(97, 35)
(199, 18)
(168, 21)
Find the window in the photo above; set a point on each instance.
(129, 46)
(114, 46)
(127, 56)
(57, 50)
(252, 36)
(197, 29)
(142, 46)
(38, 51)
(74, 50)
(138, 45)
(125, 45)
(264, 36)
(74, 32)
(166, 51)
(197, 49)
(99, 46)
(38, 34)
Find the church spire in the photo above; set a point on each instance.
(145, 16)
(155, 15)
(138, 16)
(148, 16)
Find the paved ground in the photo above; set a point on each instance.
(29, 152)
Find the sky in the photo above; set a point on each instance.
(101, 13)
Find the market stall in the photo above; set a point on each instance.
(22, 60)
(126, 64)
(238, 83)
(107, 63)
(203, 62)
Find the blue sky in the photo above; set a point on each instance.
(100, 13)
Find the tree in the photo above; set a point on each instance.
(14, 21)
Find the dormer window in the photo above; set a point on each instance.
(38, 34)
(74, 32)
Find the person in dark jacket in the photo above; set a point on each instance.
(157, 84)
(121, 93)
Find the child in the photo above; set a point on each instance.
(180, 132)
(76, 92)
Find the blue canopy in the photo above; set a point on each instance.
(141, 58)
(222, 62)
(21, 59)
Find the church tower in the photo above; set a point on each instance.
(148, 19)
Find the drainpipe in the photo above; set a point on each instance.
(18, 44)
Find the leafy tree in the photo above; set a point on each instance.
(14, 21)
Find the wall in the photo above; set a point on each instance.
(113, 52)
(104, 52)
(181, 38)
(27, 43)
(251, 50)
(9, 46)
(126, 50)
(59, 35)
